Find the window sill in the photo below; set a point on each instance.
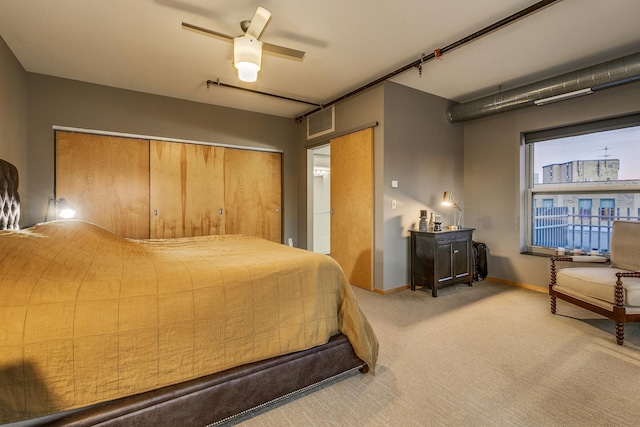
(550, 255)
(538, 254)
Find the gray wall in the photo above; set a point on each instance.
(13, 117)
(413, 143)
(424, 152)
(358, 111)
(494, 175)
(55, 101)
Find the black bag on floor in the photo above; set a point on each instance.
(480, 254)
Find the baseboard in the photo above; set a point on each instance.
(390, 291)
(519, 284)
(491, 279)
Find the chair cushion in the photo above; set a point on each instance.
(625, 247)
(600, 283)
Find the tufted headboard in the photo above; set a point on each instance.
(9, 198)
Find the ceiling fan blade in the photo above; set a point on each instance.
(258, 22)
(280, 50)
(206, 31)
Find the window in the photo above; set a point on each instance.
(607, 207)
(590, 178)
(584, 207)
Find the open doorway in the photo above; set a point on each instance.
(321, 200)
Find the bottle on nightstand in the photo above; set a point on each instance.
(422, 226)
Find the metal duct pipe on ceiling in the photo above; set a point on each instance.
(438, 52)
(602, 76)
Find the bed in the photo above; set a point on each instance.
(98, 329)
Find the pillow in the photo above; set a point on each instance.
(625, 245)
(589, 258)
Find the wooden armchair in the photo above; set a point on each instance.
(602, 289)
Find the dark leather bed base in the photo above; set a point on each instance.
(219, 396)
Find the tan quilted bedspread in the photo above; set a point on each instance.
(86, 316)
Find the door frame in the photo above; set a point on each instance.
(326, 140)
(310, 147)
(311, 193)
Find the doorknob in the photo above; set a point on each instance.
(332, 211)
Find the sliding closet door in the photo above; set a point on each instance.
(106, 179)
(252, 184)
(352, 206)
(187, 189)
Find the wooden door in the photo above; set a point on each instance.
(352, 206)
(106, 179)
(187, 189)
(252, 188)
(444, 261)
(461, 261)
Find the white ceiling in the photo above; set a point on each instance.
(140, 45)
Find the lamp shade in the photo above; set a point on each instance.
(447, 199)
(65, 210)
(59, 208)
(247, 57)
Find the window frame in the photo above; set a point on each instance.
(610, 209)
(529, 139)
(583, 202)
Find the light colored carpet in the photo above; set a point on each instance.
(487, 355)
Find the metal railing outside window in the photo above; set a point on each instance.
(560, 226)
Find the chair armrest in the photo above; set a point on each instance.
(560, 258)
(629, 274)
(552, 280)
(619, 293)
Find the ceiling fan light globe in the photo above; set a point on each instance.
(247, 71)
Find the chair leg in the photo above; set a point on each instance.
(619, 333)
(553, 304)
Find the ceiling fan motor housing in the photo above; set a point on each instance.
(247, 57)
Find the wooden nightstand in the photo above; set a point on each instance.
(441, 258)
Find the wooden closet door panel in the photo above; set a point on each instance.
(187, 189)
(352, 206)
(252, 182)
(106, 179)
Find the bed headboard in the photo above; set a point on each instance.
(9, 198)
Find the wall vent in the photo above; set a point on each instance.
(321, 123)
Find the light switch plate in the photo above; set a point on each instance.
(394, 183)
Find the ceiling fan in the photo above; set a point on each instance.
(247, 48)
